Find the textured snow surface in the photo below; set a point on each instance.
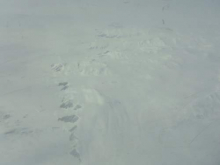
(120, 82)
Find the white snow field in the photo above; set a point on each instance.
(109, 82)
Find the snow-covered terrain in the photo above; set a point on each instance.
(120, 82)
